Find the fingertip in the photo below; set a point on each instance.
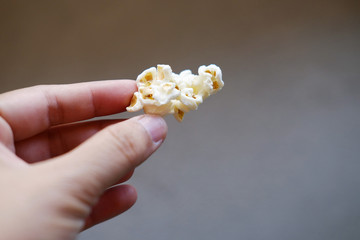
(126, 177)
(131, 84)
(113, 202)
(155, 126)
(124, 191)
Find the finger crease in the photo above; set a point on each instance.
(55, 109)
(92, 100)
(57, 144)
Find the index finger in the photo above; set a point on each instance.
(32, 110)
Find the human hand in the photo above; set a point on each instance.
(55, 174)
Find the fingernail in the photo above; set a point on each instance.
(155, 126)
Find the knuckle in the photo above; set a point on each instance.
(129, 145)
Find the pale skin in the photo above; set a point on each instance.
(58, 176)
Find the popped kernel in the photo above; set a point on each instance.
(161, 92)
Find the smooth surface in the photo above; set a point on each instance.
(274, 155)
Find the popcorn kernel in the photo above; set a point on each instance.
(149, 76)
(215, 85)
(160, 91)
(133, 101)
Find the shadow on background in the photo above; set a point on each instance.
(274, 155)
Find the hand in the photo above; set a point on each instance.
(57, 177)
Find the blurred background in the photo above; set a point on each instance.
(274, 155)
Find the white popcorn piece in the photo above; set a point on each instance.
(161, 92)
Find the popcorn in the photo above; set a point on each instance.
(161, 92)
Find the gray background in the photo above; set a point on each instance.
(274, 155)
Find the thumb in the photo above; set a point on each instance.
(110, 154)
